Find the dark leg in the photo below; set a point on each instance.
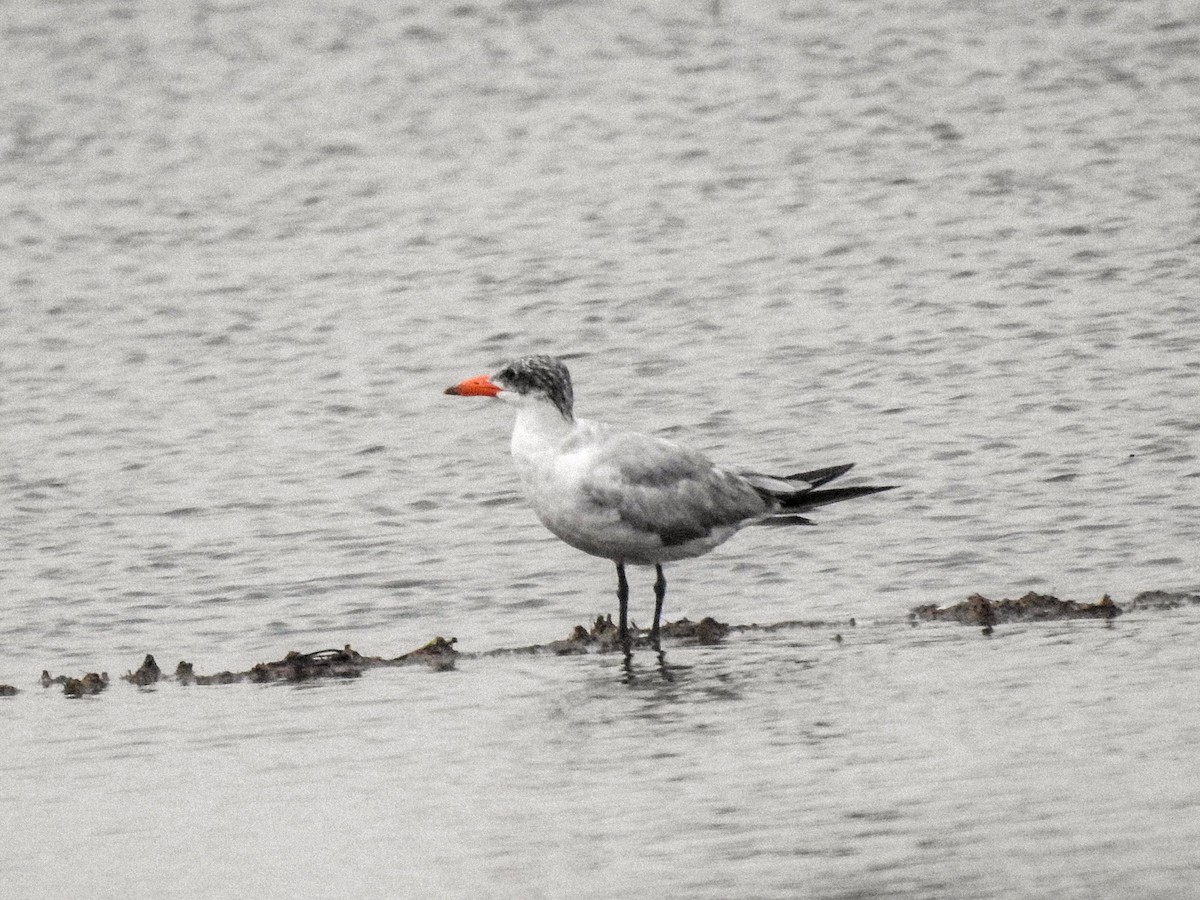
(660, 591)
(623, 599)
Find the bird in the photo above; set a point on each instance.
(633, 498)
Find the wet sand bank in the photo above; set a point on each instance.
(442, 654)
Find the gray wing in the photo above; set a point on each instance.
(657, 486)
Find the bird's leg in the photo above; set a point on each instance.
(623, 600)
(660, 591)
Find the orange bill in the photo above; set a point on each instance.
(479, 386)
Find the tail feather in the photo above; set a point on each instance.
(813, 499)
(805, 495)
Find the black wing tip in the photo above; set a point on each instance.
(818, 477)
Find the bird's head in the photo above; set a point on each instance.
(530, 379)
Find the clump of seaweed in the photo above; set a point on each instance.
(439, 654)
(1164, 600)
(89, 684)
(979, 610)
(147, 673)
(86, 685)
(604, 636)
(707, 631)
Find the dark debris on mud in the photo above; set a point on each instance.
(979, 610)
(604, 636)
(1158, 600)
(91, 683)
(441, 654)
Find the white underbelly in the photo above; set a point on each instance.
(607, 536)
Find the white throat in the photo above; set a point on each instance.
(539, 428)
(539, 434)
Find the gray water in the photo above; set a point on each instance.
(245, 246)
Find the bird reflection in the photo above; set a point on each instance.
(662, 672)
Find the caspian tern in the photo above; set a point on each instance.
(629, 497)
